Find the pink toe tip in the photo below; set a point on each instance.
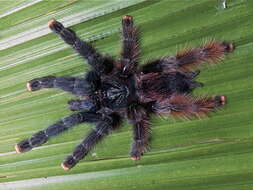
(29, 87)
(51, 22)
(127, 17)
(223, 100)
(65, 166)
(17, 148)
(135, 158)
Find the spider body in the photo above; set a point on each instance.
(117, 89)
(118, 93)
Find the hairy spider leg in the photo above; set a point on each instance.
(89, 103)
(64, 124)
(103, 128)
(74, 85)
(211, 52)
(130, 51)
(180, 105)
(81, 105)
(101, 64)
(189, 59)
(139, 118)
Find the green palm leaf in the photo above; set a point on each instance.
(210, 153)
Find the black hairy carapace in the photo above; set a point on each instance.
(117, 89)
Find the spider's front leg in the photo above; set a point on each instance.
(87, 104)
(102, 129)
(100, 63)
(130, 50)
(74, 85)
(64, 124)
(138, 116)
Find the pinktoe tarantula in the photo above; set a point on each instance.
(115, 89)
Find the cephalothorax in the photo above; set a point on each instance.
(117, 89)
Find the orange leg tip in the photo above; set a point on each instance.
(65, 166)
(135, 158)
(52, 22)
(28, 86)
(127, 17)
(223, 100)
(231, 47)
(17, 148)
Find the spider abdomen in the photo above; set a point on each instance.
(157, 86)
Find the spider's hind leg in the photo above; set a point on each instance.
(180, 105)
(64, 124)
(211, 52)
(190, 59)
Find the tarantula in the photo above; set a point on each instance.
(117, 89)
